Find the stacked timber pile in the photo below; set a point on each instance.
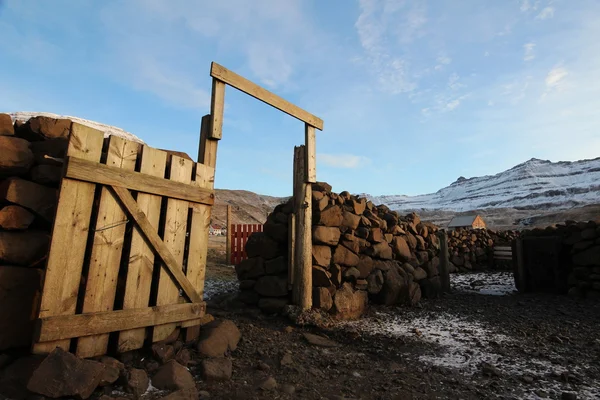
(31, 156)
(360, 252)
(472, 249)
(579, 248)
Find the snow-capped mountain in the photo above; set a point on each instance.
(535, 184)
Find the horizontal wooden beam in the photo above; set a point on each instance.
(157, 244)
(503, 248)
(232, 79)
(90, 171)
(503, 258)
(79, 325)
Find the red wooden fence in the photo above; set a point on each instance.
(239, 236)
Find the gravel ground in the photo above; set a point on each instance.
(482, 341)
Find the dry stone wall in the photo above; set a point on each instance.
(361, 252)
(31, 157)
(472, 249)
(577, 246)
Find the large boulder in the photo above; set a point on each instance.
(173, 376)
(261, 245)
(276, 266)
(321, 255)
(345, 257)
(23, 247)
(272, 305)
(62, 374)
(330, 216)
(349, 303)
(382, 250)
(365, 266)
(276, 231)
(15, 218)
(350, 220)
(250, 268)
(41, 128)
(375, 282)
(271, 286)
(326, 235)
(322, 298)
(590, 256)
(6, 125)
(320, 277)
(395, 286)
(37, 198)
(401, 248)
(217, 338)
(15, 156)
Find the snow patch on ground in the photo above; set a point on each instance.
(486, 283)
(216, 287)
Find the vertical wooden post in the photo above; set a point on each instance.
(228, 241)
(444, 261)
(310, 154)
(291, 249)
(519, 265)
(302, 287)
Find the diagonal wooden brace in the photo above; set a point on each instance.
(156, 242)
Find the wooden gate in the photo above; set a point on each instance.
(239, 235)
(128, 248)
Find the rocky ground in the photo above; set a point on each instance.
(483, 341)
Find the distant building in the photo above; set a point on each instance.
(215, 230)
(467, 221)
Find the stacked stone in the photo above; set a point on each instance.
(472, 249)
(581, 251)
(360, 252)
(31, 157)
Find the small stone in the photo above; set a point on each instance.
(288, 389)
(262, 366)
(286, 360)
(163, 352)
(218, 337)
(288, 329)
(489, 370)
(216, 369)
(173, 376)
(137, 382)
(268, 384)
(183, 357)
(317, 340)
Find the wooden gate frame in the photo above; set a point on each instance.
(58, 322)
(305, 169)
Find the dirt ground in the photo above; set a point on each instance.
(483, 341)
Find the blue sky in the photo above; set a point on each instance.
(414, 93)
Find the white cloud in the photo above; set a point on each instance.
(342, 160)
(529, 55)
(441, 61)
(453, 82)
(382, 28)
(555, 77)
(547, 12)
(525, 5)
(486, 54)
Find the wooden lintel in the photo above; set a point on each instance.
(156, 242)
(232, 79)
(95, 323)
(90, 171)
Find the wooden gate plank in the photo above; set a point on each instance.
(82, 325)
(198, 248)
(141, 257)
(69, 235)
(107, 175)
(155, 241)
(107, 247)
(174, 239)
